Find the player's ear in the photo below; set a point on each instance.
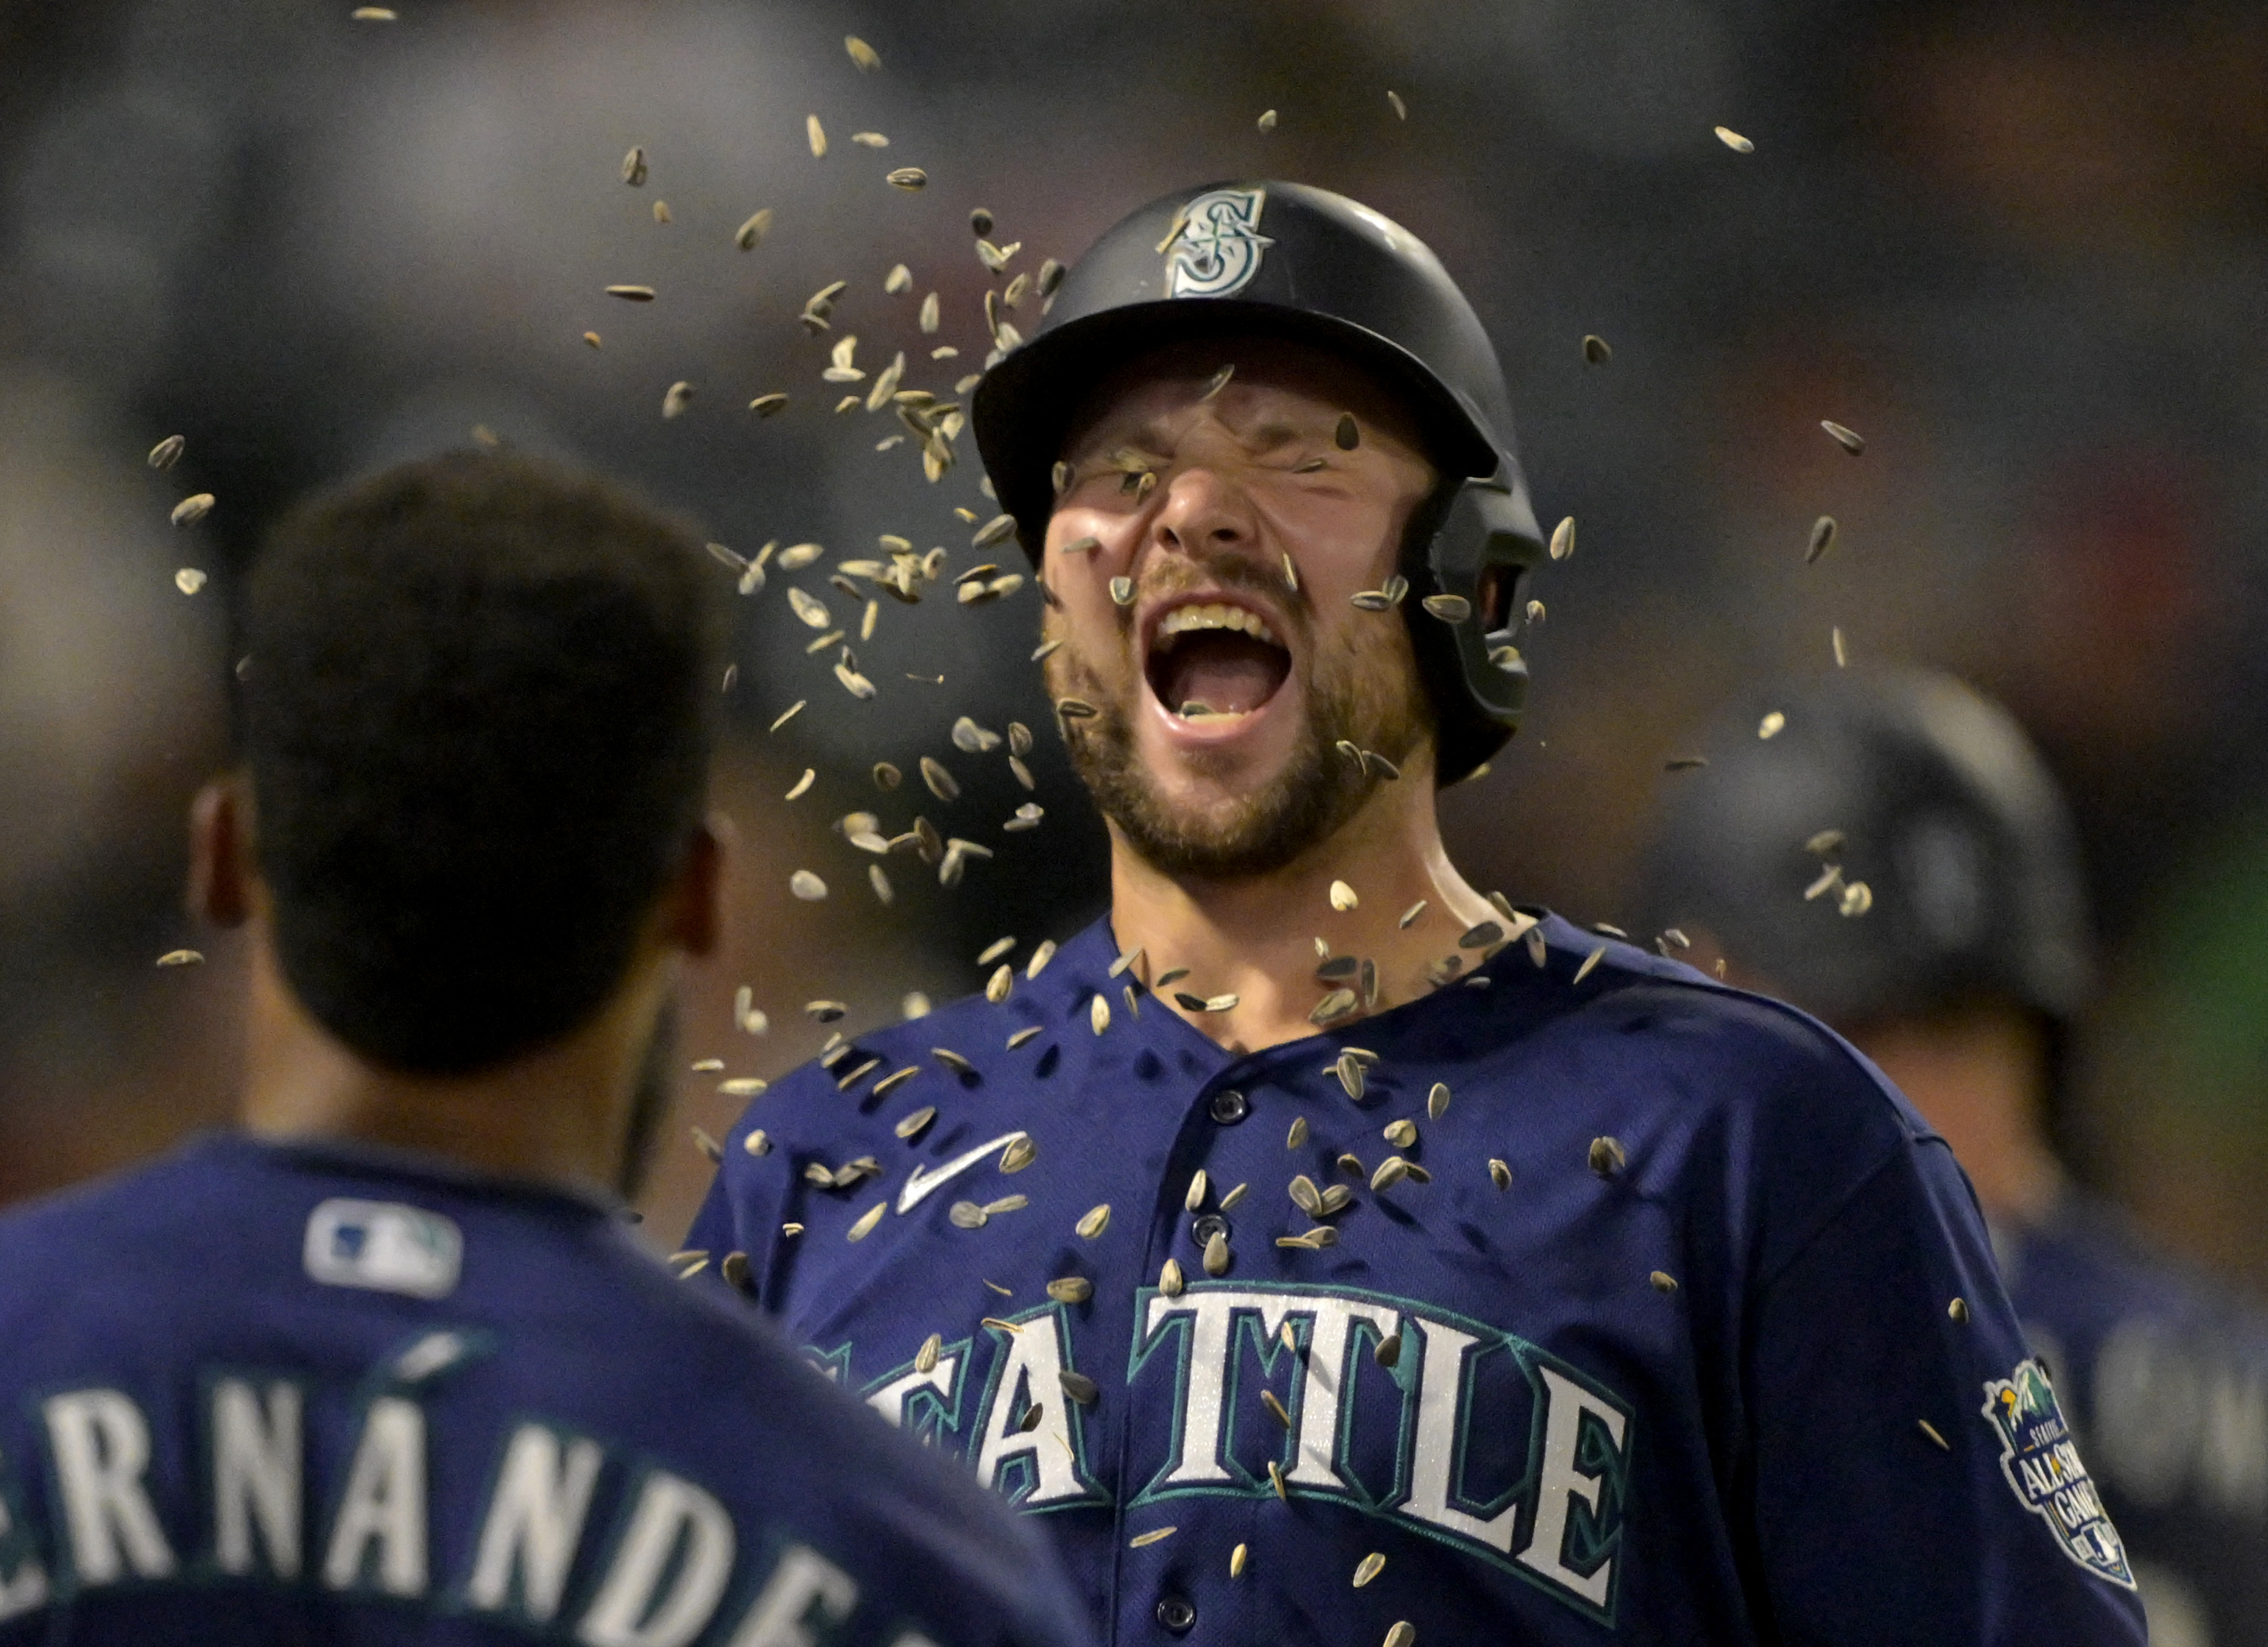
(694, 920)
(220, 853)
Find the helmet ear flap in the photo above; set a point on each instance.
(1481, 546)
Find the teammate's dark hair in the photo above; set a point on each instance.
(481, 703)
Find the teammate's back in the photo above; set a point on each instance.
(385, 1366)
(265, 1392)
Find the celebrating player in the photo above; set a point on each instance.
(387, 1366)
(1960, 983)
(1331, 1253)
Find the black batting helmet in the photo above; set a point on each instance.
(1284, 260)
(1912, 784)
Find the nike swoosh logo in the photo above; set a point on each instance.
(920, 1183)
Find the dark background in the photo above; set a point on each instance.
(2020, 248)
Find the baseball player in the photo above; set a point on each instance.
(1959, 981)
(1326, 1251)
(386, 1366)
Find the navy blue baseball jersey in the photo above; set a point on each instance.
(262, 1393)
(2165, 1378)
(1589, 1300)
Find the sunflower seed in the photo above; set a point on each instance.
(1333, 1007)
(853, 683)
(1562, 539)
(1480, 937)
(1849, 439)
(1276, 1480)
(707, 1145)
(929, 846)
(1500, 1173)
(1370, 601)
(634, 167)
(694, 1268)
(1450, 609)
(1401, 109)
(1098, 1014)
(914, 1125)
(925, 1357)
(734, 1269)
(1170, 1278)
(867, 1220)
(1291, 574)
(1078, 1387)
(1236, 1561)
(966, 1216)
(1297, 1135)
(1589, 961)
(953, 1060)
(1216, 1255)
(1022, 1035)
(879, 879)
(1306, 1196)
(1607, 1155)
(679, 396)
(167, 452)
(1349, 1070)
(742, 1087)
(1277, 1410)
(1372, 1565)
(193, 508)
(1772, 725)
(1040, 957)
(806, 886)
(1343, 896)
(1075, 709)
(188, 580)
(909, 177)
(1857, 899)
(1401, 1133)
(1173, 975)
(817, 136)
(1664, 1282)
(1339, 966)
(1368, 980)
(870, 140)
(1390, 1172)
(1832, 878)
(1093, 1222)
(1733, 141)
(995, 1321)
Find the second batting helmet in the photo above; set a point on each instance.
(1912, 784)
(1284, 260)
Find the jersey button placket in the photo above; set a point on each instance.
(1176, 1614)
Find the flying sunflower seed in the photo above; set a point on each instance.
(742, 1087)
(188, 580)
(1370, 601)
(1277, 1410)
(1022, 1035)
(1216, 1255)
(1589, 961)
(861, 53)
(1122, 591)
(634, 169)
(1849, 439)
(806, 886)
(1228, 1202)
(1339, 966)
(1194, 1197)
(1663, 1282)
(940, 782)
(880, 880)
(925, 1357)
(1450, 609)
(1562, 539)
(1306, 1196)
(1858, 898)
(193, 508)
(700, 1262)
(1236, 1558)
(1098, 1014)
(817, 135)
(751, 234)
(673, 403)
(1390, 1172)
(853, 683)
(1040, 957)
(1332, 1007)
(1930, 1429)
(734, 1269)
(1349, 1070)
(867, 1220)
(1401, 109)
(953, 1060)
(1372, 1565)
(1343, 896)
(1093, 1222)
(1052, 279)
(1150, 1537)
(966, 1216)
(914, 1125)
(1607, 1155)
(1170, 1278)
(1012, 295)
(1346, 436)
(1297, 1135)
(1772, 725)
(631, 294)
(870, 140)
(1401, 1132)
(1480, 937)
(1822, 532)
(1500, 1173)
(707, 1145)
(167, 452)
(1070, 1289)
(1079, 1388)
(1825, 844)
(909, 177)
(1174, 976)
(1733, 141)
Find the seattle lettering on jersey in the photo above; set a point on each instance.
(1454, 1429)
(659, 1578)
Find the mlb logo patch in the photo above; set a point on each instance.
(384, 1247)
(2043, 1465)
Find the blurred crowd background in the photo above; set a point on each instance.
(2020, 248)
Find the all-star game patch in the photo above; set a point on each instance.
(2042, 1465)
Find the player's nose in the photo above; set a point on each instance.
(1204, 513)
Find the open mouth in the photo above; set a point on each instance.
(1211, 660)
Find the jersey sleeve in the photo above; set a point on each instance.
(1913, 1475)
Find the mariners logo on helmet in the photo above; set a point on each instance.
(1219, 244)
(2042, 1463)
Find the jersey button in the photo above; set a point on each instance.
(1206, 1227)
(1176, 1614)
(1230, 1106)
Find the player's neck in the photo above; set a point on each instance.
(1976, 1077)
(1254, 937)
(556, 1115)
